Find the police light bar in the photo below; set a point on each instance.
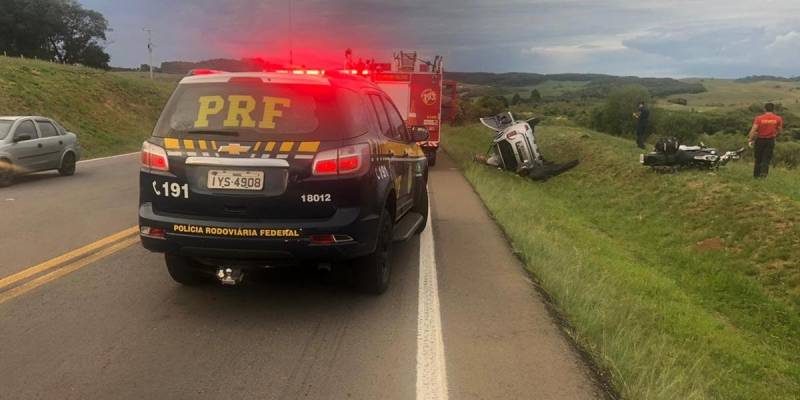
(355, 72)
(318, 72)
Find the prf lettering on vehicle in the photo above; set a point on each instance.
(240, 109)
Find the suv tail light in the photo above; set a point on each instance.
(347, 160)
(154, 158)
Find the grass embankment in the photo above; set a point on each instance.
(682, 286)
(111, 113)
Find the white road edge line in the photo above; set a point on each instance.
(431, 369)
(108, 158)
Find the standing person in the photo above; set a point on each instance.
(642, 116)
(766, 128)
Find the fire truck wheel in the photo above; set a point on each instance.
(431, 155)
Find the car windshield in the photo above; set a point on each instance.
(257, 111)
(5, 126)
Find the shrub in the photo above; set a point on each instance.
(615, 115)
(787, 154)
(535, 96)
(469, 112)
(732, 122)
(687, 127)
(490, 106)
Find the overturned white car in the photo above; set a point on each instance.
(514, 148)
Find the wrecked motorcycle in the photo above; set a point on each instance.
(670, 155)
(514, 148)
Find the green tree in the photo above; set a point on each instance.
(489, 105)
(503, 100)
(516, 99)
(58, 30)
(686, 126)
(79, 39)
(469, 111)
(466, 112)
(615, 115)
(535, 96)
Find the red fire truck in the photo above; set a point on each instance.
(415, 86)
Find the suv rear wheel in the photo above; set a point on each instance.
(182, 270)
(373, 271)
(421, 205)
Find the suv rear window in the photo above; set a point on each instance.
(253, 110)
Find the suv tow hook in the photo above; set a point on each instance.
(230, 276)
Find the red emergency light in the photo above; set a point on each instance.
(316, 72)
(355, 72)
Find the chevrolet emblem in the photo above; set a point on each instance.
(234, 149)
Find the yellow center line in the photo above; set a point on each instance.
(72, 267)
(49, 264)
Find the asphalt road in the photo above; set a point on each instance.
(460, 321)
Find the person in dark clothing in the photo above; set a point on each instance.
(642, 118)
(766, 127)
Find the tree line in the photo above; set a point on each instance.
(469, 111)
(56, 30)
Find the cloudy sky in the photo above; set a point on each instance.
(678, 38)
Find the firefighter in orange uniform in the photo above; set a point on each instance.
(766, 128)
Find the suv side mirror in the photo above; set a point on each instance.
(418, 133)
(22, 137)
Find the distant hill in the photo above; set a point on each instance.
(597, 85)
(222, 64)
(760, 78)
(513, 79)
(727, 95)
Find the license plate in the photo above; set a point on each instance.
(235, 180)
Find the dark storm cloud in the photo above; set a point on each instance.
(678, 38)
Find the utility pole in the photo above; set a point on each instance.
(150, 49)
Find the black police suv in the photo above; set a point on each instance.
(254, 170)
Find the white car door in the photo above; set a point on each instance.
(27, 149)
(52, 144)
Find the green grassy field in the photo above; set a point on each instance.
(549, 89)
(681, 286)
(112, 113)
(728, 94)
(171, 79)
